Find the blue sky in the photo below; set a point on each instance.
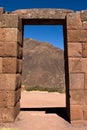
(52, 34)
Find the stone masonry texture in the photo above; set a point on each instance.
(11, 50)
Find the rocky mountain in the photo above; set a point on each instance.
(43, 66)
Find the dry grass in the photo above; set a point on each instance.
(8, 129)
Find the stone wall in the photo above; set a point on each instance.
(77, 57)
(10, 66)
(11, 46)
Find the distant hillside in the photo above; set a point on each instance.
(43, 66)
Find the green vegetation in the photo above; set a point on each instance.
(40, 88)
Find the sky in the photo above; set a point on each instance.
(52, 34)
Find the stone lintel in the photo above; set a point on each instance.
(42, 13)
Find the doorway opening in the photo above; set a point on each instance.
(44, 69)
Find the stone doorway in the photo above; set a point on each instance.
(11, 44)
(58, 108)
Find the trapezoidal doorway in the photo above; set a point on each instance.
(43, 70)
(54, 22)
(75, 56)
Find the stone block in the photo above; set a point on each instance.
(9, 65)
(8, 49)
(84, 112)
(77, 97)
(1, 52)
(84, 15)
(84, 25)
(20, 38)
(74, 49)
(10, 81)
(3, 99)
(42, 13)
(19, 65)
(77, 36)
(74, 21)
(2, 11)
(9, 35)
(0, 65)
(76, 81)
(76, 112)
(13, 97)
(78, 65)
(84, 107)
(20, 51)
(10, 21)
(9, 98)
(18, 81)
(18, 95)
(85, 97)
(84, 49)
(9, 114)
(16, 109)
(85, 115)
(85, 81)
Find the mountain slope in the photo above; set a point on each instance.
(43, 65)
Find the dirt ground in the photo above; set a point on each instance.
(33, 119)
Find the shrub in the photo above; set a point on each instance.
(42, 88)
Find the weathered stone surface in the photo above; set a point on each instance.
(85, 97)
(85, 81)
(0, 65)
(18, 95)
(77, 36)
(77, 97)
(84, 107)
(11, 44)
(42, 13)
(10, 81)
(78, 65)
(9, 65)
(74, 49)
(10, 21)
(76, 81)
(84, 49)
(2, 11)
(84, 15)
(74, 21)
(19, 51)
(9, 98)
(8, 49)
(19, 65)
(85, 115)
(18, 81)
(84, 25)
(9, 114)
(76, 112)
(9, 35)
(2, 99)
(20, 38)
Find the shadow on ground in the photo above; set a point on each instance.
(60, 111)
